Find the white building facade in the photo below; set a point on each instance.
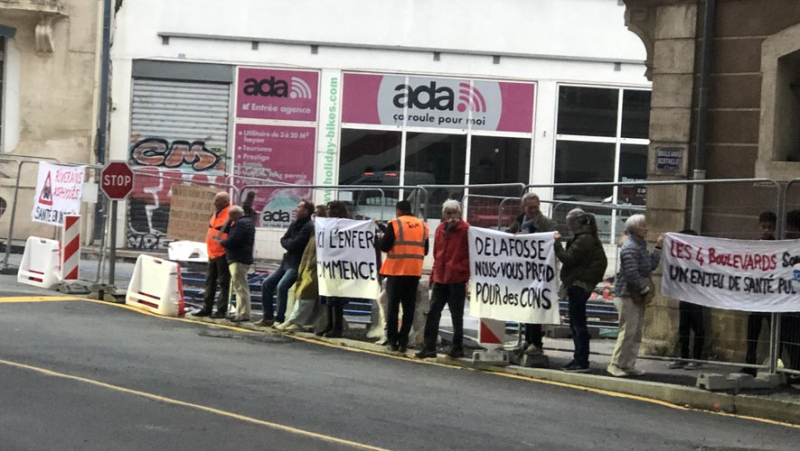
(361, 92)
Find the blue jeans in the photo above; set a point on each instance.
(282, 279)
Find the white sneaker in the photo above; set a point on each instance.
(634, 372)
(692, 366)
(534, 350)
(292, 327)
(281, 326)
(616, 371)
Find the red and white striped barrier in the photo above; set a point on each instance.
(156, 286)
(71, 248)
(40, 263)
(491, 335)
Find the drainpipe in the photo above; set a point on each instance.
(88, 233)
(102, 122)
(698, 191)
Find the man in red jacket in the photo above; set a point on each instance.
(448, 279)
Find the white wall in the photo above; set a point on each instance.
(592, 28)
(565, 28)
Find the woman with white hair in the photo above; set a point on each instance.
(633, 290)
(448, 279)
(583, 265)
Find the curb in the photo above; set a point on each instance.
(675, 396)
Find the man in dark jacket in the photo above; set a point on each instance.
(532, 220)
(294, 241)
(239, 252)
(448, 279)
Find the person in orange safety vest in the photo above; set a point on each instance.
(405, 240)
(218, 272)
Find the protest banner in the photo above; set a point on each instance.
(189, 211)
(753, 276)
(346, 260)
(513, 277)
(58, 193)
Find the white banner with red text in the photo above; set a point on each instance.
(58, 193)
(513, 277)
(753, 276)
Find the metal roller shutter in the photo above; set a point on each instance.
(170, 119)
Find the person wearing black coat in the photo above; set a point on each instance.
(239, 252)
(583, 265)
(294, 241)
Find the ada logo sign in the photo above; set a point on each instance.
(46, 196)
(276, 94)
(275, 87)
(440, 102)
(431, 97)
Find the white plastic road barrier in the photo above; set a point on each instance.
(40, 263)
(156, 286)
(187, 251)
(491, 333)
(71, 244)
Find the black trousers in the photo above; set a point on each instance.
(577, 323)
(534, 335)
(454, 295)
(790, 339)
(754, 322)
(690, 319)
(401, 290)
(218, 274)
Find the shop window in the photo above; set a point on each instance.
(587, 111)
(589, 149)
(584, 162)
(499, 160)
(636, 114)
(496, 160)
(370, 157)
(436, 159)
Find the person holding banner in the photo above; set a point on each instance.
(334, 304)
(634, 291)
(448, 279)
(690, 318)
(294, 241)
(405, 240)
(532, 220)
(583, 265)
(218, 272)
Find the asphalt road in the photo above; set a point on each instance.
(122, 380)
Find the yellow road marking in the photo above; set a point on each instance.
(26, 299)
(176, 402)
(451, 366)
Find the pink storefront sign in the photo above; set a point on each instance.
(464, 104)
(271, 153)
(272, 94)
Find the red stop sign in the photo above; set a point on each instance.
(116, 180)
